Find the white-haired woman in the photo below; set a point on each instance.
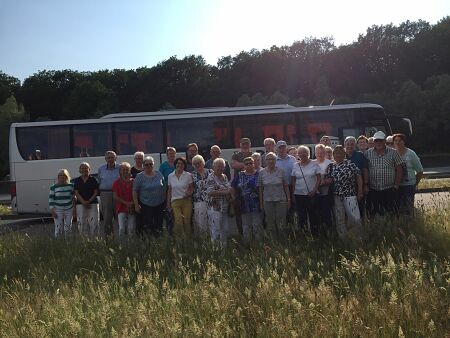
(274, 198)
(218, 189)
(138, 160)
(86, 192)
(123, 196)
(305, 182)
(199, 197)
(257, 161)
(61, 202)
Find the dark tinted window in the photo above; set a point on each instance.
(91, 139)
(37, 143)
(259, 127)
(146, 136)
(204, 131)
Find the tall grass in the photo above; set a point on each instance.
(395, 284)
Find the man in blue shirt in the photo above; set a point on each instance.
(107, 174)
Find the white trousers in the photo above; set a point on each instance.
(252, 227)
(219, 227)
(88, 220)
(347, 206)
(127, 223)
(63, 222)
(200, 219)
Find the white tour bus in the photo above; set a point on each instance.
(37, 150)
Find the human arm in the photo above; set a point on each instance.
(137, 206)
(360, 191)
(169, 198)
(313, 192)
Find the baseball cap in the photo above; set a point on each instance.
(281, 143)
(379, 135)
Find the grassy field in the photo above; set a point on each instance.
(395, 284)
(434, 183)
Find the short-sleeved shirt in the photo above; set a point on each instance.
(86, 189)
(150, 189)
(248, 189)
(286, 164)
(179, 185)
(124, 190)
(382, 168)
(214, 183)
(135, 171)
(359, 159)
(239, 157)
(323, 190)
(306, 177)
(200, 194)
(344, 178)
(227, 170)
(107, 176)
(273, 183)
(413, 166)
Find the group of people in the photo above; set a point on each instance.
(253, 195)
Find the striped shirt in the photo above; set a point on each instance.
(61, 196)
(382, 168)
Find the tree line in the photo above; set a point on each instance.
(405, 68)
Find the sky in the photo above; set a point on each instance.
(90, 35)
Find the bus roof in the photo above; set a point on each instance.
(198, 113)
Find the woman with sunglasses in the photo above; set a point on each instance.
(148, 198)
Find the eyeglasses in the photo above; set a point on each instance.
(148, 164)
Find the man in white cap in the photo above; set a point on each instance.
(385, 175)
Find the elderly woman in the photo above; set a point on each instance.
(61, 203)
(219, 192)
(148, 198)
(362, 143)
(414, 170)
(138, 160)
(347, 190)
(274, 197)
(199, 197)
(293, 152)
(323, 198)
(245, 186)
(329, 153)
(370, 143)
(123, 196)
(86, 192)
(306, 180)
(179, 198)
(257, 161)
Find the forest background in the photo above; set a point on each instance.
(405, 68)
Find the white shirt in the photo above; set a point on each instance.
(305, 177)
(179, 185)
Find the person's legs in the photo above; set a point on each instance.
(281, 211)
(122, 218)
(353, 215)
(82, 219)
(271, 216)
(186, 210)
(107, 207)
(257, 225)
(312, 215)
(300, 204)
(215, 222)
(93, 220)
(59, 222)
(406, 199)
(200, 219)
(68, 216)
(324, 214)
(131, 225)
(246, 226)
(339, 216)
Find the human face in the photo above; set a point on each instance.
(138, 160)
(363, 144)
(179, 166)
(219, 168)
(62, 178)
(320, 154)
(371, 143)
(245, 147)
(399, 144)
(84, 170)
(249, 166)
(191, 152)
(270, 147)
(339, 156)
(303, 155)
(282, 151)
(124, 172)
(257, 162)
(293, 152)
(198, 165)
(325, 140)
(171, 155)
(110, 159)
(148, 166)
(271, 162)
(329, 153)
(215, 153)
(379, 144)
(350, 146)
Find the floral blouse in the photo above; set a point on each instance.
(344, 178)
(248, 191)
(214, 183)
(200, 194)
